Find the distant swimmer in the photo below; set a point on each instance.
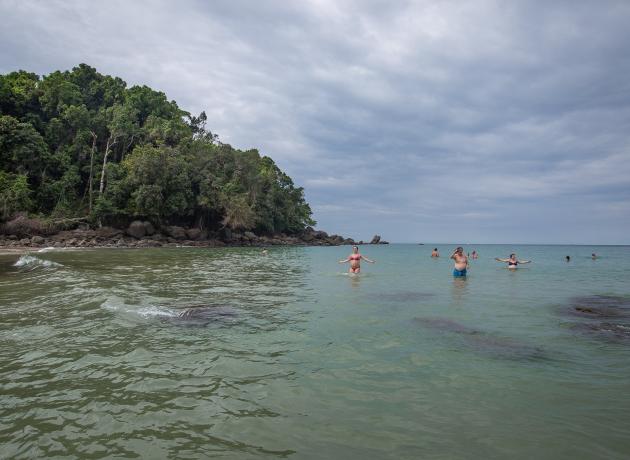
(568, 258)
(461, 262)
(594, 256)
(512, 262)
(264, 252)
(355, 260)
(475, 255)
(435, 253)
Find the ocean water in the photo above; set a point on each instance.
(285, 355)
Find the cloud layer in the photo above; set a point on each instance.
(422, 121)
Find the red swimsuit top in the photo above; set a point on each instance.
(355, 257)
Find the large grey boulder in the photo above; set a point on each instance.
(136, 229)
(375, 239)
(196, 234)
(37, 239)
(320, 235)
(179, 233)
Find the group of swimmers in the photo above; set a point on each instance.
(458, 256)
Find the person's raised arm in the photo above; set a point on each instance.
(347, 259)
(368, 260)
(524, 261)
(501, 260)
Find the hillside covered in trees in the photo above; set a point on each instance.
(80, 144)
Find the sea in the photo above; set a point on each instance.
(232, 353)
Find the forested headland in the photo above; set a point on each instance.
(81, 146)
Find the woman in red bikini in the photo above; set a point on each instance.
(355, 260)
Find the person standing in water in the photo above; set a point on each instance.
(355, 260)
(594, 256)
(461, 262)
(568, 258)
(435, 253)
(512, 261)
(475, 255)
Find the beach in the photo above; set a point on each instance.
(286, 355)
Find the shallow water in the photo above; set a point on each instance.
(295, 358)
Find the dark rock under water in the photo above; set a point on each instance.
(203, 315)
(600, 306)
(483, 342)
(603, 317)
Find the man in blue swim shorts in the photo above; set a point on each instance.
(461, 262)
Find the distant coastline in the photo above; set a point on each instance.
(25, 234)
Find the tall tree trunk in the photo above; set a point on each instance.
(111, 141)
(91, 169)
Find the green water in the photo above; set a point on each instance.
(402, 361)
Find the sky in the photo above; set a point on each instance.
(421, 121)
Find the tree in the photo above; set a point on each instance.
(157, 161)
(15, 194)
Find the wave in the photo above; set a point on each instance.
(34, 262)
(149, 311)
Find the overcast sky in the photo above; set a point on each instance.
(426, 121)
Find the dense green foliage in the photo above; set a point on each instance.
(78, 143)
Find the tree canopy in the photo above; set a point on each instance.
(78, 143)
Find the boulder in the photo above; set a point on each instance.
(250, 236)
(194, 234)
(336, 239)
(179, 233)
(37, 240)
(320, 235)
(136, 229)
(308, 237)
(149, 229)
(375, 239)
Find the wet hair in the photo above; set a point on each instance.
(459, 248)
(355, 247)
(512, 255)
(435, 249)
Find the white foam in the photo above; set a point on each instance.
(156, 311)
(48, 249)
(118, 304)
(32, 261)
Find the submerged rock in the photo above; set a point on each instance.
(600, 306)
(607, 331)
(592, 309)
(203, 314)
(483, 342)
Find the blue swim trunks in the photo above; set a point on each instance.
(459, 272)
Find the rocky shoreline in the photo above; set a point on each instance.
(27, 233)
